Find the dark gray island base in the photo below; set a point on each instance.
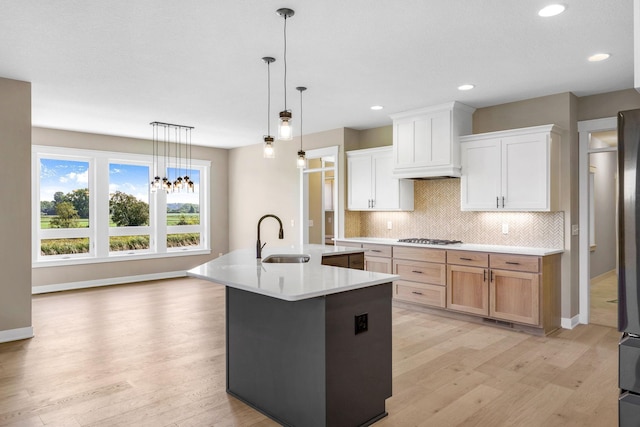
(302, 364)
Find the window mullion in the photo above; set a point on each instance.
(101, 206)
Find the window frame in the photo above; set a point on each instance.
(99, 230)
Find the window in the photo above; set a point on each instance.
(96, 206)
(64, 220)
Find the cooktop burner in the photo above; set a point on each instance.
(425, 241)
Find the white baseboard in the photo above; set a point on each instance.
(105, 282)
(570, 323)
(16, 334)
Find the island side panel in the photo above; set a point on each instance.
(276, 356)
(359, 371)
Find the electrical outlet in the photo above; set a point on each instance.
(362, 323)
(293, 222)
(310, 223)
(575, 229)
(389, 225)
(505, 228)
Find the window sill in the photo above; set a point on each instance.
(117, 258)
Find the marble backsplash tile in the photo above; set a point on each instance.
(437, 215)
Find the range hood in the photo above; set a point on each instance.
(425, 141)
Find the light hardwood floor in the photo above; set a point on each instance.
(603, 301)
(153, 354)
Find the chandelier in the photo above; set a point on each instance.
(171, 153)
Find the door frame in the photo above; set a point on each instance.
(585, 129)
(338, 226)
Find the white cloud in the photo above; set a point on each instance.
(80, 178)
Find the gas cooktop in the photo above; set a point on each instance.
(426, 241)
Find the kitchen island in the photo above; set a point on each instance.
(307, 344)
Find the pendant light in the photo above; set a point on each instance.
(302, 159)
(268, 149)
(172, 135)
(285, 132)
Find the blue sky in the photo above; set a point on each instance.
(68, 175)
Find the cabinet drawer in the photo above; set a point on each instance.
(473, 259)
(378, 264)
(423, 272)
(336, 261)
(420, 293)
(356, 261)
(377, 250)
(515, 262)
(420, 254)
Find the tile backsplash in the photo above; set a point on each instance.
(437, 215)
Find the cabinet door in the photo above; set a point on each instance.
(356, 261)
(480, 181)
(423, 140)
(525, 172)
(386, 188)
(359, 182)
(377, 264)
(515, 296)
(468, 289)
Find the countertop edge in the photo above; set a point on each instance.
(474, 247)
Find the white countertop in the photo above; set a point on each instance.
(518, 250)
(291, 282)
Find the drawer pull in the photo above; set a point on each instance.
(416, 293)
(512, 263)
(375, 250)
(484, 277)
(466, 259)
(416, 271)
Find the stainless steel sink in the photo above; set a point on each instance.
(287, 258)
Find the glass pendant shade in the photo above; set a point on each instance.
(268, 150)
(285, 132)
(302, 160)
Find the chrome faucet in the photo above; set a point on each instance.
(280, 234)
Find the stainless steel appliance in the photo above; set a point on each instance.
(426, 241)
(628, 264)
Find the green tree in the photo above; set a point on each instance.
(127, 210)
(58, 197)
(47, 207)
(67, 216)
(79, 198)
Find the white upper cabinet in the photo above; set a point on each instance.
(515, 170)
(425, 141)
(370, 184)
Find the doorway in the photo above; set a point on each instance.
(598, 226)
(319, 211)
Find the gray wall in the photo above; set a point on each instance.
(219, 214)
(15, 194)
(603, 258)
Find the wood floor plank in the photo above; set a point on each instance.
(154, 354)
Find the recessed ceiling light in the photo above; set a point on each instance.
(598, 57)
(551, 10)
(377, 107)
(466, 87)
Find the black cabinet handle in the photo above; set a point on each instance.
(416, 293)
(375, 250)
(512, 263)
(503, 201)
(466, 259)
(491, 276)
(416, 271)
(484, 276)
(497, 203)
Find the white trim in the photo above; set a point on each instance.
(16, 334)
(569, 323)
(116, 256)
(105, 282)
(585, 129)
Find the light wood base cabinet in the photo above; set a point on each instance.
(515, 296)
(467, 289)
(421, 293)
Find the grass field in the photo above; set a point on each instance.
(172, 219)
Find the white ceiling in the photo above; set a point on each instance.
(114, 66)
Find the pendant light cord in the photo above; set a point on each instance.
(301, 120)
(285, 62)
(269, 97)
